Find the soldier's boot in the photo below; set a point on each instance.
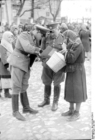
(56, 97)
(15, 108)
(69, 112)
(7, 94)
(25, 104)
(47, 93)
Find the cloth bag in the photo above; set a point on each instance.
(6, 83)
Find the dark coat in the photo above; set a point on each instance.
(84, 35)
(75, 84)
(3, 63)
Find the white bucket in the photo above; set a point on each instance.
(56, 61)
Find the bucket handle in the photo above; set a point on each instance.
(64, 53)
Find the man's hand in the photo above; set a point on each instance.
(64, 46)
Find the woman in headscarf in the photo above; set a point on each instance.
(5, 50)
(75, 83)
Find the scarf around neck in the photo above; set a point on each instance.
(7, 45)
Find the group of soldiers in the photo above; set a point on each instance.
(31, 43)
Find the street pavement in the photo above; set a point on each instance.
(46, 125)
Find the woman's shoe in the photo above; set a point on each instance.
(68, 113)
(75, 116)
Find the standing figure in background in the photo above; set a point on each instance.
(84, 35)
(6, 49)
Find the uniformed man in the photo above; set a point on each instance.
(55, 40)
(20, 62)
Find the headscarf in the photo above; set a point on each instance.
(63, 26)
(72, 36)
(83, 27)
(6, 41)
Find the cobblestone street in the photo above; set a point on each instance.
(46, 125)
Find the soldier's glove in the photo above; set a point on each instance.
(6, 66)
(41, 51)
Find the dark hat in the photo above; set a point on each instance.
(42, 29)
(52, 25)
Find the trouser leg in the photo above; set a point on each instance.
(16, 76)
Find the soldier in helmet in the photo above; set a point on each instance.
(55, 40)
(21, 60)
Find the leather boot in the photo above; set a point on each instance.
(47, 93)
(25, 104)
(7, 94)
(56, 97)
(15, 107)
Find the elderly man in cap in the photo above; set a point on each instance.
(21, 60)
(55, 40)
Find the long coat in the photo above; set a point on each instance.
(84, 35)
(3, 63)
(75, 84)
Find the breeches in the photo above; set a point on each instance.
(19, 80)
(48, 76)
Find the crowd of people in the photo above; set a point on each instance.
(20, 47)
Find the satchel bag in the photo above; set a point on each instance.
(6, 83)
